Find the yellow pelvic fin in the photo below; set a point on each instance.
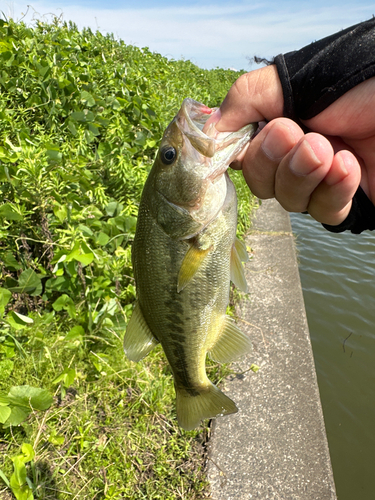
(237, 272)
(190, 265)
(138, 340)
(208, 403)
(231, 344)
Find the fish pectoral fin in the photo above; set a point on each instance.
(138, 340)
(237, 272)
(207, 403)
(191, 263)
(231, 344)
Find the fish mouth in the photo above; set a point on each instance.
(221, 147)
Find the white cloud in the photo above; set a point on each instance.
(209, 35)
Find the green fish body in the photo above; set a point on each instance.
(184, 255)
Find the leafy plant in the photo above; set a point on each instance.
(20, 402)
(81, 115)
(20, 484)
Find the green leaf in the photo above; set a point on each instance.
(10, 262)
(8, 212)
(87, 98)
(61, 212)
(23, 318)
(28, 452)
(85, 258)
(15, 321)
(94, 129)
(53, 152)
(85, 230)
(18, 478)
(62, 302)
(59, 284)
(5, 412)
(140, 138)
(4, 478)
(32, 397)
(114, 208)
(17, 416)
(77, 332)
(72, 128)
(5, 296)
(102, 239)
(66, 377)
(28, 282)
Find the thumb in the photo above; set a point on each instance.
(254, 97)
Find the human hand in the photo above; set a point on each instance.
(319, 171)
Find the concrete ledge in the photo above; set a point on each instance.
(275, 447)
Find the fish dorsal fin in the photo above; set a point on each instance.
(231, 344)
(138, 340)
(191, 263)
(237, 272)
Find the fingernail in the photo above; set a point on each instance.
(216, 115)
(212, 121)
(276, 144)
(339, 173)
(304, 161)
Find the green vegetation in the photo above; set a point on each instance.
(81, 115)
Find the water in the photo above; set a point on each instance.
(337, 275)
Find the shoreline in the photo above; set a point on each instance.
(275, 447)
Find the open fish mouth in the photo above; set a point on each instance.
(221, 147)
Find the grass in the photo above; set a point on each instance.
(112, 434)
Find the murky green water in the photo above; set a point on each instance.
(338, 280)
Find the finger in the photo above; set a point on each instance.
(301, 171)
(265, 152)
(255, 96)
(331, 201)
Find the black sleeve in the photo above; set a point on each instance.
(317, 75)
(360, 218)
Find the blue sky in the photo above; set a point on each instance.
(210, 33)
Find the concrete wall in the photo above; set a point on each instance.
(275, 447)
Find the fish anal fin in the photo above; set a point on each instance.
(237, 272)
(241, 250)
(231, 344)
(192, 261)
(138, 340)
(207, 403)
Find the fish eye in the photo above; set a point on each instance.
(168, 155)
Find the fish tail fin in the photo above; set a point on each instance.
(207, 403)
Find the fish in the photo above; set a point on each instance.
(184, 255)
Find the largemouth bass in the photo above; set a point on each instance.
(184, 254)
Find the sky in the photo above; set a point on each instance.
(221, 33)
